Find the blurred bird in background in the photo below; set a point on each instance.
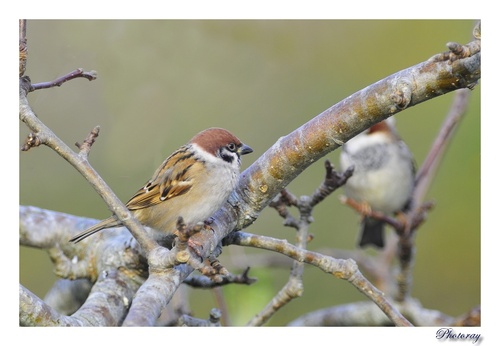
(383, 178)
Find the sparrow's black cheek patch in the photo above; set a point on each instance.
(226, 155)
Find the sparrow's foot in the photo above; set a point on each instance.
(183, 242)
(365, 209)
(362, 208)
(217, 266)
(208, 222)
(190, 251)
(402, 218)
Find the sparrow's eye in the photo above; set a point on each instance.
(232, 147)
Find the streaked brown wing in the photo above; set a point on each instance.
(171, 179)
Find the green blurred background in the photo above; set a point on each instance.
(160, 82)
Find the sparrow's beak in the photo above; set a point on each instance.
(244, 149)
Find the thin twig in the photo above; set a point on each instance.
(202, 281)
(418, 209)
(88, 142)
(294, 286)
(333, 180)
(78, 73)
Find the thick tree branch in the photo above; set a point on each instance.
(293, 153)
(66, 296)
(154, 295)
(34, 312)
(258, 185)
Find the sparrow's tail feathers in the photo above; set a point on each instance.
(372, 233)
(106, 223)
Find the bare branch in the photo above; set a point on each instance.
(80, 163)
(23, 47)
(109, 299)
(281, 203)
(154, 295)
(429, 167)
(425, 176)
(32, 141)
(213, 320)
(78, 73)
(458, 51)
(293, 288)
(205, 282)
(88, 142)
(333, 180)
(105, 306)
(342, 269)
(258, 186)
(66, 296)
(280, 164)
(305, 204)
(366, 314)
(34, 312)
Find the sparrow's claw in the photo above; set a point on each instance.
(195, 246)
(365, 209)
(190, 251)
(218, 267)
(362, 208)
(211, 268)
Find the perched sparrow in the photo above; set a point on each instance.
(193, 182)
(383, 178)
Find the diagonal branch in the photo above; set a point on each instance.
(340, 268)
(293, 153)
(424, 178)
(276, 168)
(45, 136)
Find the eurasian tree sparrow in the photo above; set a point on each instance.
(383, 178)
(193, 182)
